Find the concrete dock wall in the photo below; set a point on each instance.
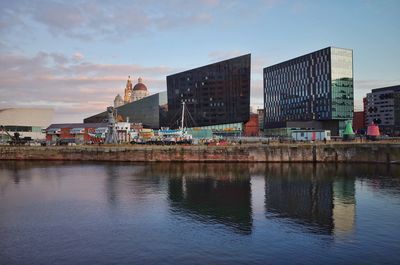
(343, 153)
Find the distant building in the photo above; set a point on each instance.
(251, 127)
(151, 111)
(383, 108)
(261, 123)
(83, 133)
(128, 91)
(313, 91)
(73, 132)
(214, 94)
(359, 122)
(132, 93)
(28, 122)
(139, 91)
(365, 103)
(118, 101)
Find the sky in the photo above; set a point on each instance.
(75, 55)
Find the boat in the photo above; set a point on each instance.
(176, 136)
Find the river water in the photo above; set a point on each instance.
(184, 213)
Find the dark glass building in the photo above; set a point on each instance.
(214, 94)
(313, 91)
(151, 111)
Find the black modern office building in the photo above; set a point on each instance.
(214, 94)
(313, 91)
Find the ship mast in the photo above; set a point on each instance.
(183, 114)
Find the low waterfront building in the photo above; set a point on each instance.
(313, 91)
(79, 133)
(150, 111)
(311, 135)
(382, 107)
(223, 130)
(28, 122)
(85, 133)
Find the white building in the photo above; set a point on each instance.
(28, 122)
(118, 101)
(139, 90)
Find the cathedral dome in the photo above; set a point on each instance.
(140, 85)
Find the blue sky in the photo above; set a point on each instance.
(75, 56)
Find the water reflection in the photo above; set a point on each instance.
(319, 197)
(147, 212)
(316, 198)
(212, 193)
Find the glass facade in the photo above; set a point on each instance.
(342, 83)
(317, 86)
(151, 111)
(218, 93)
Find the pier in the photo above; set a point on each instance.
(386, 153)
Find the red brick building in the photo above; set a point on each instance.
(73, 132)
(359, 122)
(251, 128)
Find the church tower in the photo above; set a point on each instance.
(128, 91)
(118, 101)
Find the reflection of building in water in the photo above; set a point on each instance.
(127, 181)
(220, 198)
(312, 198)
(344, 205)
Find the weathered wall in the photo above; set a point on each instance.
(352, 152)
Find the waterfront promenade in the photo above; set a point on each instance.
(336, 152)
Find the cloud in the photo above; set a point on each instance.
(89, 20)
(77, 56)
(75, 89)
(271, 3)
(117, 20)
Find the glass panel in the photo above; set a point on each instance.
(342, 84)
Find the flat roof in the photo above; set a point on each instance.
(395, 88)
(211, 64)
(77, 125)
(304, 55)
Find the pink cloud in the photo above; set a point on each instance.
(69, 87)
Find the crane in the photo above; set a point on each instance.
(15, 140)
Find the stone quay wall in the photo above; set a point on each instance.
(340, 153)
